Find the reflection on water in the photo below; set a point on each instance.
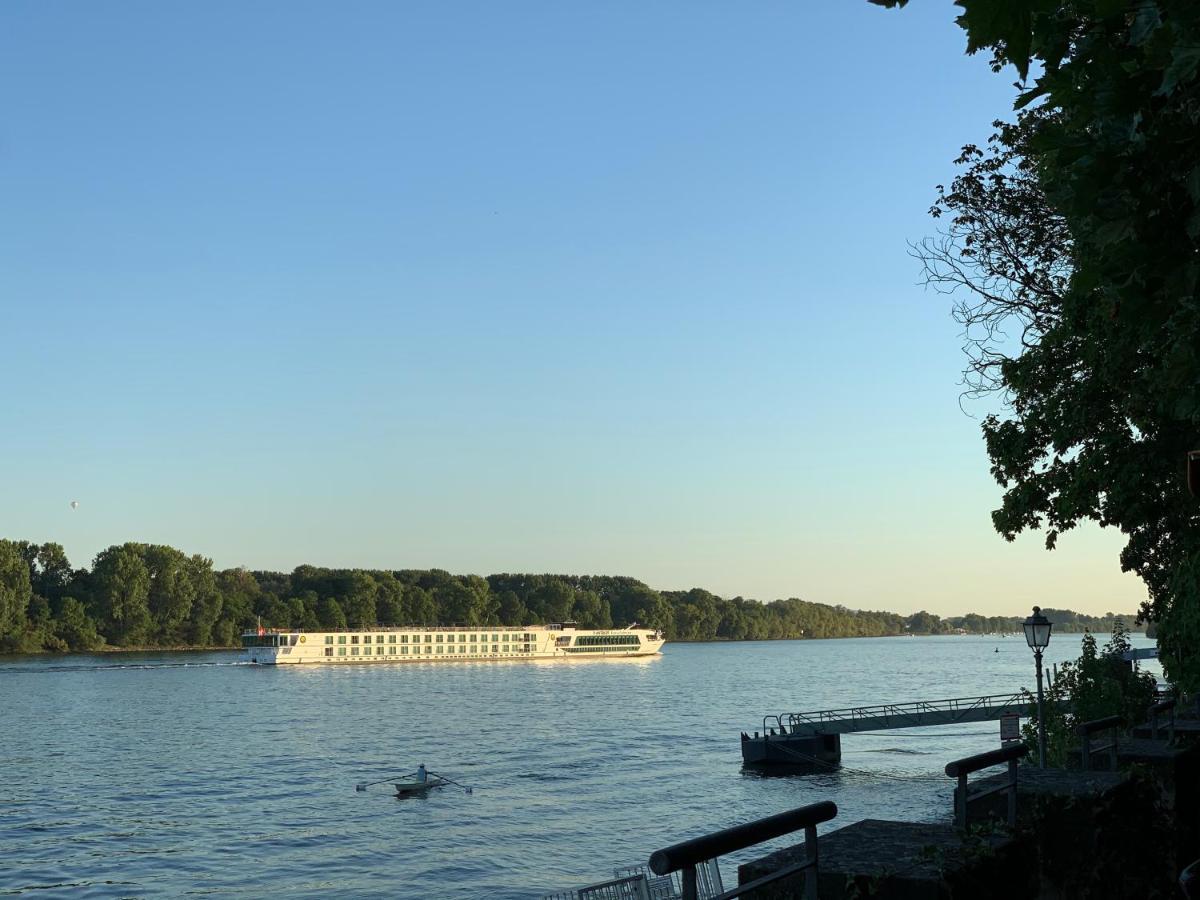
(158, 774)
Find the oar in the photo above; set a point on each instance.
(466, 790)
(362, 786)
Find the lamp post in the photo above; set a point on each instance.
(1037, 636)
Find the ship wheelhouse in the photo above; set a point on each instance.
(271, 639)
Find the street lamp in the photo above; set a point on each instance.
(1037, 636)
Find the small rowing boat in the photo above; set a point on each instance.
(422, 782)
(415, 784)
(417, 788)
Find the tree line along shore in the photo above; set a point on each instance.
(151, 595)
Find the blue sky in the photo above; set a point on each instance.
(610, 288)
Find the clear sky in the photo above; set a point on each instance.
(595, 287)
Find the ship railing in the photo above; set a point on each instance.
(385, 629)
(901, 711)
(686, 857)
(430, 628)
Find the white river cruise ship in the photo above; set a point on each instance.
(413, 643)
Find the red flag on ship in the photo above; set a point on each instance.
(261, 630)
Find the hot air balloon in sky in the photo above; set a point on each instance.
(74, 504)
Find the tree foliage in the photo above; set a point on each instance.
(148, 595)
(1081, 227)
(1097, 685)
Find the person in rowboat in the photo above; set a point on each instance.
(422, 775)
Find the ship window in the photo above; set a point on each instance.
(329, 651)
(329, 638)
(391, 639)
(341, 639)
(341, 651)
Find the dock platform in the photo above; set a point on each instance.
(814, 738)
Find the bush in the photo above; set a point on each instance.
(1096, 685)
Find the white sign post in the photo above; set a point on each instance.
(1010, 729)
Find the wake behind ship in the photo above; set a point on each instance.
(412, 643)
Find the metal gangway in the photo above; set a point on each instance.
(898, 715)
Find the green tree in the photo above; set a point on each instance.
(1104, 392)
(15, 592)
(76, 627)
(552, 601)
(303, 612)
(239, 590)
(207, 601)
(512, 609)
(120, 591)
(358, 600)
(590, 611)
(171, 590)
(419, 605)
(1097, 685)
(330, 614)
(924, 623)
(49, 569)
(389, 599)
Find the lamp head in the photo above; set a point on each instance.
(1037, 630)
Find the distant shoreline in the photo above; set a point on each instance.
(192, 648)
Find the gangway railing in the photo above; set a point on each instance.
(892, 715)
(686, 856)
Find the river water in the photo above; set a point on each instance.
(165, 774)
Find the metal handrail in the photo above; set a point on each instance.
(1167, 706)
(686, 855)
(961, 768)
(816, 718)
(1085, 731)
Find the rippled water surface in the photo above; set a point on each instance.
(168, 774)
